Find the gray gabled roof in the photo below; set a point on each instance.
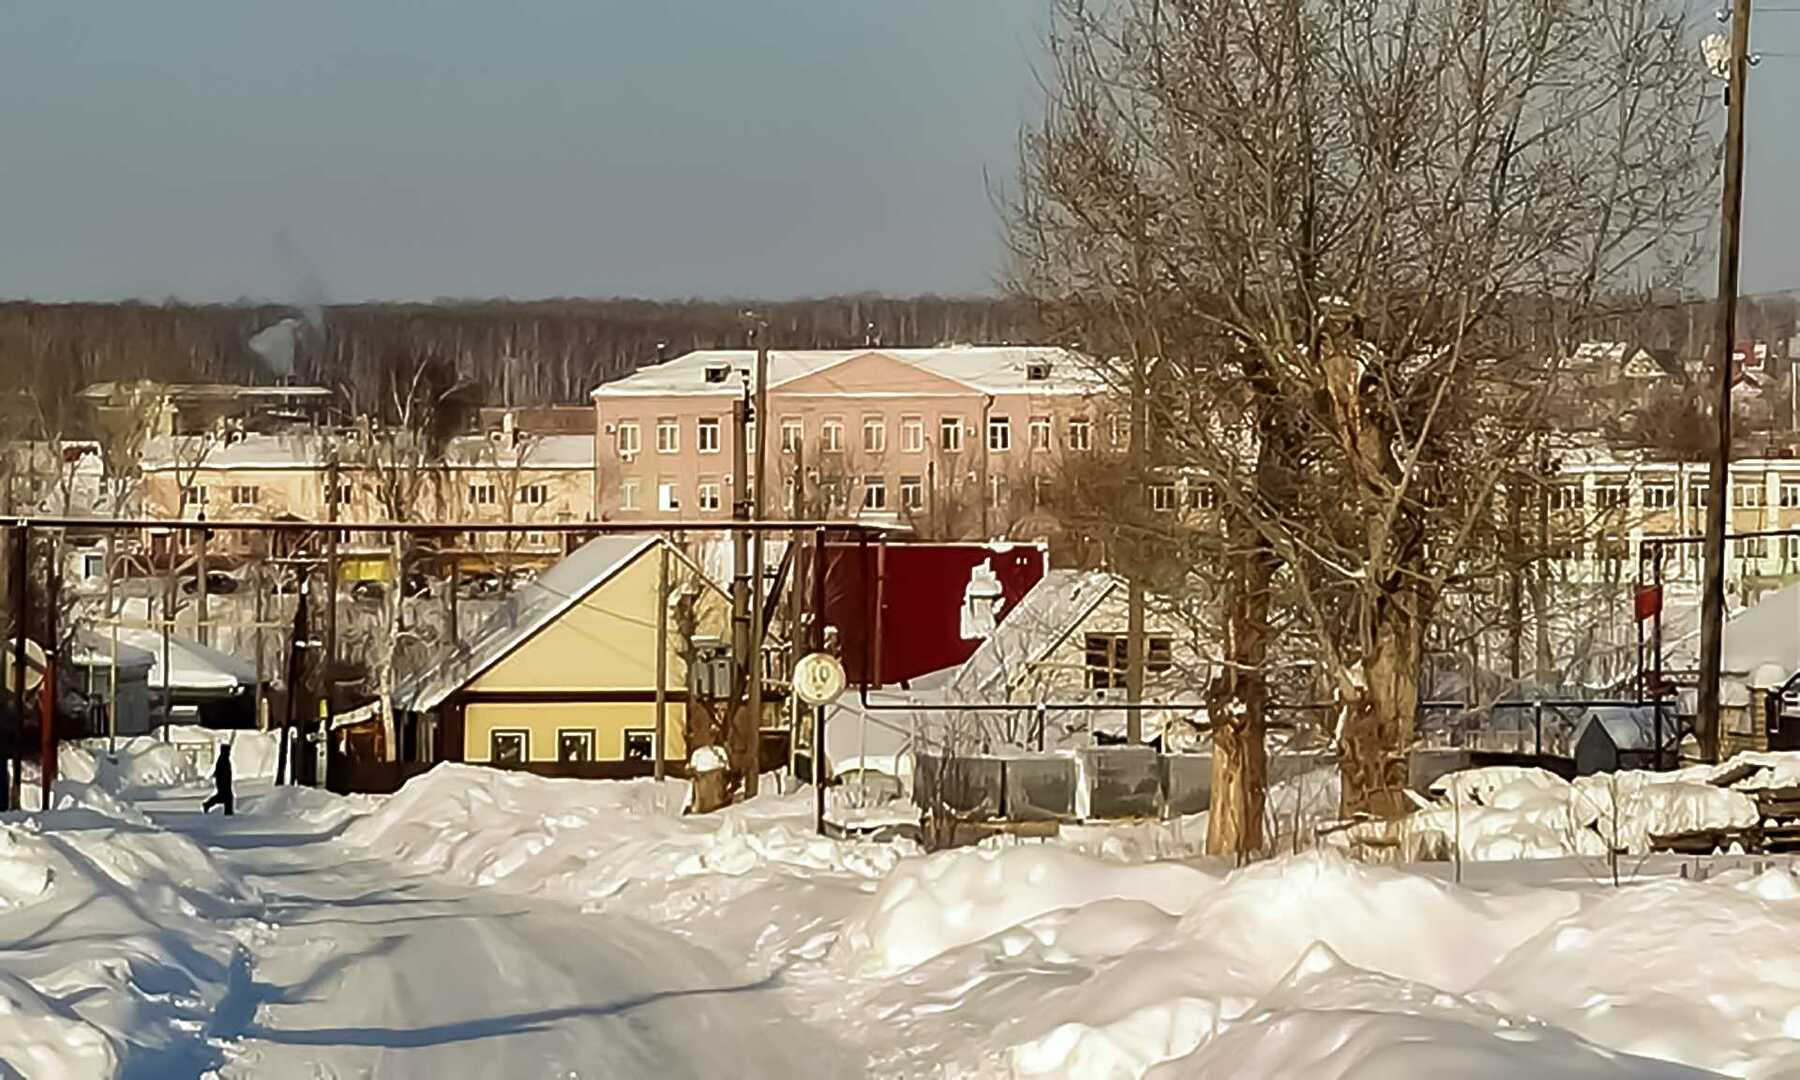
(520, 616)
(1043, 618)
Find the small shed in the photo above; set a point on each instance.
(94, 661)
(563, 673)
(1608, 738)
(203, 685)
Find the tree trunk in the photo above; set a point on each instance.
(1378, 724)
(1240, 776)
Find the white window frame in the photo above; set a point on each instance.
(999, 434)
(831, 435)
(628, 494)
(1665, 498)
(1790, 494)
(1038, 433)
(912, 434)
(496, 734)
(706, 435)
(483, 493)
(950, 434)
(534, 494)
(1164, 499)
(1747, 494)
(1081, 433)
(630, 438)
(668, 435)
(1612, 495)
(585, 734)
(912, 493)
(874, 434)
(1567, 496)
(874, 492)
(709, 495)
(793, 434)
(668, 496)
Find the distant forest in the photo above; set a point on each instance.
(533, 352)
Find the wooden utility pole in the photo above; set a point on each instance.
(200, 582)
(759, 417)
(1712, 600)
(741, 736)
(296, 679)
(659, 738)
(12, 760)
(328, 668)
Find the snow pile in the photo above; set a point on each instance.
(613, 844)
(118, 937)
(927, 907)
(1507, 812)
(1773, 769)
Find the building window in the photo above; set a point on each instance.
(1202, 496)
(874, 435)
(793, 431)
(668, 435)
(789, 490)
(1118, 430)
(706, 434)
(709, 494)
(1039, 433)
(534, 494)
(950, 433)
(997, 492)
(245, 496)
(1790, 550)
(1567, 497)
(483, 495)
(1612, 496)
(628, 495)
(750, 435)
(831, 435)
(1750, 494)
(509, 747)
(1081, 433)
(1163, 498)
(1659, 496)
(1750, 547)
(1697, 495)
(631, 440)
(999, 434)
(192, 497)
(912, 434)
(666, 497)
(1790, 493)
(874, 493)
(640, 744)
(912, 492)
(1109, 658)
(573, 745)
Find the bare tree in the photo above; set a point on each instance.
(1354, 239)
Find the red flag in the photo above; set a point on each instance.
(1648, 602)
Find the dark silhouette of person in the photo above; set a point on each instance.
(221, 795)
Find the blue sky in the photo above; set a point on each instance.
(664, 148)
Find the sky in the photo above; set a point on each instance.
(346, 150)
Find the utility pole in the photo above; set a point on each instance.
(659, 740)
(1712, 616)
(759, 418)
(13, 759)
(740, 737)
(328, 669)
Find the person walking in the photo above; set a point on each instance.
(221, 795)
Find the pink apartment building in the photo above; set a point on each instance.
(953, 440)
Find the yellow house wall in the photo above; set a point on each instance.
(609, 722)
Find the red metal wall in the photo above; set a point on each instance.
(898, 607)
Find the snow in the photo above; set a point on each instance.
(708, 759)
(482, 922)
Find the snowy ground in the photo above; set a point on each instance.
(482, 923)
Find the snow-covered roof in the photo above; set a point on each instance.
(94, 648)
(1630, 727)
(307, 450)
(1043, 617)
(1766, 632)
(991, 369)
(522, 614)
(193, 666)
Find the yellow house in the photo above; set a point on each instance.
(562, 677)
